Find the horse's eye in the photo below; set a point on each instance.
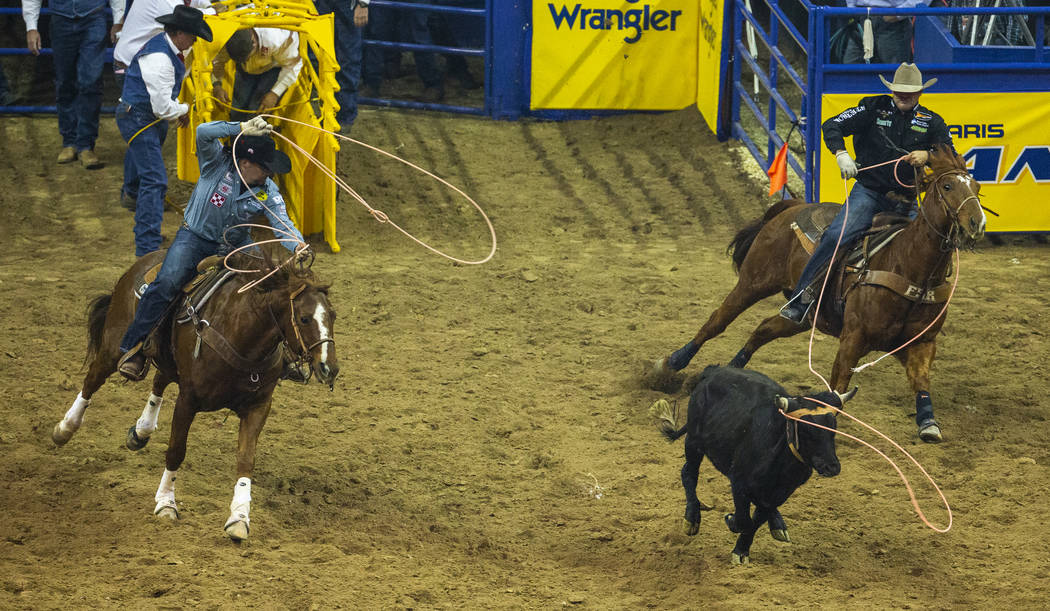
(304, 319)
(947, 187)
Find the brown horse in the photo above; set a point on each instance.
(866, 311)
(229, 354)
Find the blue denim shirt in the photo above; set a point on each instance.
(220, 200)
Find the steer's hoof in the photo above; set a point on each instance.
(134, 442)
(780, 534)
(167, 510)
(691, 528)
(741, 559)
(236, 529)
(60, 435)
(930, 432)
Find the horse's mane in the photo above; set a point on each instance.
(266, 258)
(944, 158)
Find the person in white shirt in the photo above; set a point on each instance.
(140, 25)
(148, 101)
(78, 42)
(268, 63)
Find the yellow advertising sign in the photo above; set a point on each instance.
(709, 62)
(614, 54)
(1005, 140)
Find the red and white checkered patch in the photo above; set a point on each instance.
(218, 200)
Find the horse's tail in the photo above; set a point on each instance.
(741, 242)
(97, 311)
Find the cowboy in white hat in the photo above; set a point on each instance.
(884, 128)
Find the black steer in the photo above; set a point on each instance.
(734, 420)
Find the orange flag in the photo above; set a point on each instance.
(778, 170)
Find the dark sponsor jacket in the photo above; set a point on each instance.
(882, 133)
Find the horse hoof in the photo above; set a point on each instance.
(238, 531)
(930, 432)
(134, 442)
(741, 559)
(691, 528)
(60, 435)
(167, 511)
(780, 534)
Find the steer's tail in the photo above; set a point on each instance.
(669, 431)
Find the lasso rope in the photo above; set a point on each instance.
(907, 484)
(812, 335)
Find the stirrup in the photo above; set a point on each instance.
(796, 310)
(126, 369)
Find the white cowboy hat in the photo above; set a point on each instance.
(907, 79)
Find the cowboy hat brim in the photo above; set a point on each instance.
(198, 28)
(907, 88)
(280, 164)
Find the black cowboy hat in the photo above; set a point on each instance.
(262, 151)
(187, 19)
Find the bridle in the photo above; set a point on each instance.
(305, 353)
(953, 238)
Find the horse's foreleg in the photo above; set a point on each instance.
(739, 299)
(237, 525)
(917, 360)
(770, 329)
(180, 430)
(138, 435)
(851, 348)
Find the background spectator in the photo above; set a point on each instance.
(268, 63)
(351, 16)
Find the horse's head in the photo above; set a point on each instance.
(951, 203)
(310, 329)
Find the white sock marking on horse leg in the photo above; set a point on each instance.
(166, 491)
(240, 506)
(74, 415)
(147, 422)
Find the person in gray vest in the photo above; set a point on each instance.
(148, 102)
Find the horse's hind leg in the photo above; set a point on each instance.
(739, 299)
(770, 329)
(917, 360)
(139, 434)
(237, 525)
(104, 363)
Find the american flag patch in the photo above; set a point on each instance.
(218, 200)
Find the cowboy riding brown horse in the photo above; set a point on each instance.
(880, 303)
(224, 350)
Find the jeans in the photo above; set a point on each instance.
(892, 43)
(864, 204)
(248, 92)
(145, 177)
(348, 54)
(79, 55)
(180, 265)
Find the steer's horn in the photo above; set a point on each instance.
(782, 403)
(846, 397)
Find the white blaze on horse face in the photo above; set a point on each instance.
(323, 332)
(968, 182)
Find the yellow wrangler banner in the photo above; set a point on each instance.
(1007, 151)
(709, 63)
(614, 54)
(310, 195)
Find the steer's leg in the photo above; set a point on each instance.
(740, 522)
(694, 454)
(917, 360)
(778, 527)
(252, 421)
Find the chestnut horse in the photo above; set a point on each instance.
(870, 316)
(230, 354)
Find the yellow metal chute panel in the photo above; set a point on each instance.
(310, 194)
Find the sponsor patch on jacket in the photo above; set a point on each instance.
(923, 115)
(883, 122)
(261, 196)
(918, 128)
(225, 189)
(218, 200)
